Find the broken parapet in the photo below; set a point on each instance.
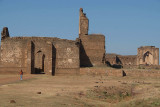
(4, 33)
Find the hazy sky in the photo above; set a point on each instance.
(126, 24)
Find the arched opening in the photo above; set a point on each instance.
(39, 62)
(148, 58)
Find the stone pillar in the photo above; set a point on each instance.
(83, 23)
(29, 57)
(48, 59)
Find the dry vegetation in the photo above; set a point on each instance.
(78, 91)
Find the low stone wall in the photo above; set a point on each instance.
(120, 72)
(143, 72)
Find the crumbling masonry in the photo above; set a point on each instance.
(51, 55)
(146, 55)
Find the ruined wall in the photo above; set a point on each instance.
(42, 56)
(14, 53)
(120, 72)
(39, 55)
(67, 57)
(128, 60)
(112, 59)
(148, 55)
(33, 54)
(92, 50)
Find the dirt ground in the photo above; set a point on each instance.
(78, 91)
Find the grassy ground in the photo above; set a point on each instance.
(79, 91)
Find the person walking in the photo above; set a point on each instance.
(21, 75)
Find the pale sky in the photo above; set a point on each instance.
(126, 24)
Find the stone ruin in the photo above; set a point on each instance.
(146, 55)
(49, 55)
(92, 47)
(54, 56)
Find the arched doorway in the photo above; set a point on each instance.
(39, 62)
(148, 58)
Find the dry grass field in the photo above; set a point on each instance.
(79, 91)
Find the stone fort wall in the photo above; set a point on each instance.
(36, 54)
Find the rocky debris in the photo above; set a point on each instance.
(81, 94)
(96, 86)
(39, 93)
(12, 101)
(57, 94)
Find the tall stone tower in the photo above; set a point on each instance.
(92, 46)
(83, 23)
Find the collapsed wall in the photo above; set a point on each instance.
(112, 59)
